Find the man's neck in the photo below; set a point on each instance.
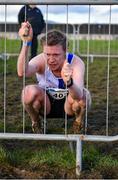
(57, 73)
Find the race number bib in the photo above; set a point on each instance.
(57, 93)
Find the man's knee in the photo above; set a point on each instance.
(30, 93)
(78, 107)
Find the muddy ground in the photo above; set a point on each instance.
(97, 123)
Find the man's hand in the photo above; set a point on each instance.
(66, 72)
(26, 32)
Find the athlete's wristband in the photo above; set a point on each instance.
(27, 43)
(70, 83)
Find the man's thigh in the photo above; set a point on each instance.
(35, 94)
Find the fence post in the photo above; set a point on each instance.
(78, 156)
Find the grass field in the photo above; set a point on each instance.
(37, 159)
(95, 46)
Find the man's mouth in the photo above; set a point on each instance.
(52, 64)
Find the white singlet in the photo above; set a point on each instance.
(54, 86)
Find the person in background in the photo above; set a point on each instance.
(58, 72)
(34, 16)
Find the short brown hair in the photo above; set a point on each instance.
(54, 37)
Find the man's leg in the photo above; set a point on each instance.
(33, 99)
(34, 46)
(77, 108)
(78, 124)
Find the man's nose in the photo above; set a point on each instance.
(51, 58)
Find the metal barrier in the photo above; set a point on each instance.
(66, 137)
(103, 36)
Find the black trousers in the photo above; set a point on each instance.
(34, 46)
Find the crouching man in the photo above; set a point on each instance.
(60, 75)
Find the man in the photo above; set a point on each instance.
(56, 71)
(33, 15)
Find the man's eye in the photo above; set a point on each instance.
(53, 55)
(47, 55)
(56, 55)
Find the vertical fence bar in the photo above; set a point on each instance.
(78, 40)
(45, 119)
(74, 38)
(78, 156)
(24, 79)
(66, 59)
(108, 69)
(5, 58)
(87, 69)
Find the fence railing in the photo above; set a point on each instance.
(61, 2)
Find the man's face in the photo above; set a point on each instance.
(55, 56)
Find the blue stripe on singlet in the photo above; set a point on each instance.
(70, 57)
(61, 82)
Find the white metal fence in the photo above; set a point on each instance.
(6, 114)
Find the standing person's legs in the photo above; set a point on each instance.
(34, 46)
(33, 99)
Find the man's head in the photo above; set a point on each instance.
(32, 5)
(54, 47)
(54, 37)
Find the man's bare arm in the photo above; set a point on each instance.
(26, 34)
(73, 76)
(25, 67)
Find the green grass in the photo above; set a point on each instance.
(107, 161)
(107, 166)
(97, 164)
(65, 158)
(90, 156)
(12, 46)
(98, 47)
(56, 158)
(95, 46)
(4, 156)
(34, 155)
